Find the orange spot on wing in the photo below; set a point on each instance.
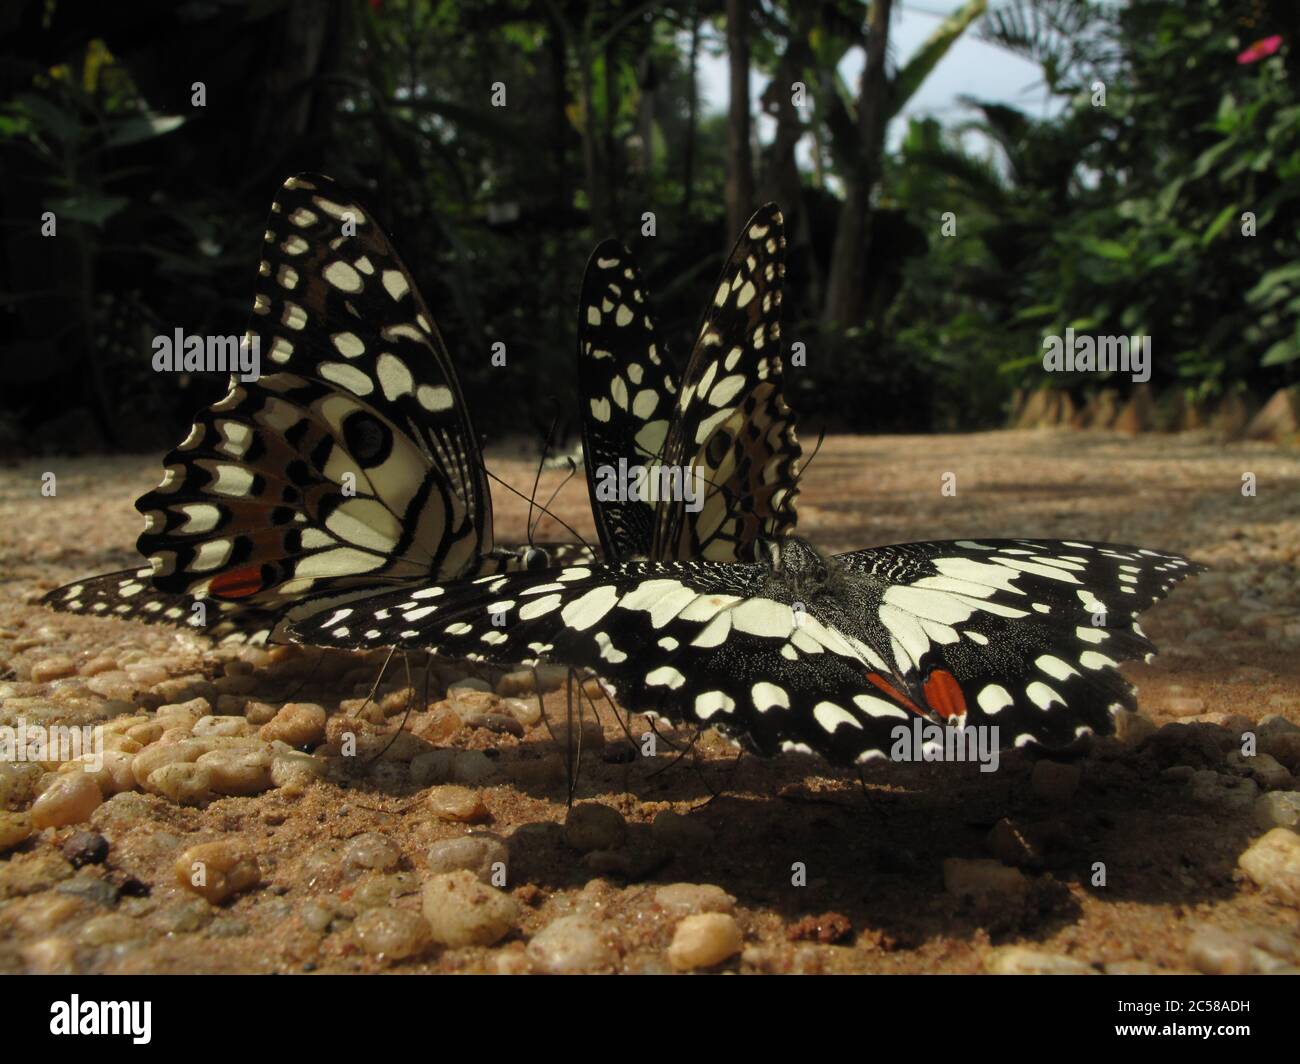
(892, 692)
(944, 695)
(238, 583)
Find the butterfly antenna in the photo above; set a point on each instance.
(378, 680)
(821, 438)
(541, 464)
(573, 469)
(554, 517)
(410, 704)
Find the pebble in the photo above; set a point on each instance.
(461, 911)
(1264, 769)
(52, 669)
(315, 916)
(222, 869)
(70, 799)
(391, 933)
(182, 915)
(1055, 781)
(588, 732)
(1017, 960)
(1278, 809)
(464, 701)
(573, 944)
(451, 766)
(184, 782)
(55, 955)
(679, 832)
(501, 723)
(84, 847)
(525, 710)
(481, 854)
(259, 713)
(15, 829)
(192, 711)
(1183, 706)
(115, 775)
(982, 877)
(688, 899)
(620, 752)
(1283, 745)
(108, 929)
(372, 850)
(592, 826)
(299, 724)
(1273, 862)
(212, 725)
(293, 772)
(1275, 724)
(238, 772)
(40, 913)
(152, 758)
(1133, 729)
(528, 681)
(704, 940)
(1250, 951)
(436, 726)
(92, 888)
(468, 683)
(1231, 793)
(450, 802)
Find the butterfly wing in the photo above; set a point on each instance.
(732, 423)
(627, 386)
(351, 461)
(128, 595)
(1025, 635)
(895, 635)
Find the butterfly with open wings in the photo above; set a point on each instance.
(809, 652)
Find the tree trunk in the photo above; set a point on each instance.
(740, 170)
(853, 232)
(692, 110)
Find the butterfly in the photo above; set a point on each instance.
(724, 428)
(349, 464)
(808, 652)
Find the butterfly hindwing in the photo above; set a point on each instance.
(351, 460)
(628, 388)
(732, 423)
(129, 595)
(812, 653)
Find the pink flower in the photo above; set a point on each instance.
(1261, 49)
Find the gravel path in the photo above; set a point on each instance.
(209, 842)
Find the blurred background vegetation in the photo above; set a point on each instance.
(1117, 210)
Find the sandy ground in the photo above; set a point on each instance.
(1164, 814)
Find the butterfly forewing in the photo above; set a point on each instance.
(809, 653)
(628, 388)
(351, 460)
(732, 424)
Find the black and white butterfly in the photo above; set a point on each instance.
(349, 464)
(726, 422)
(804, 651)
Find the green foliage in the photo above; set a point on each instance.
(1124, 218)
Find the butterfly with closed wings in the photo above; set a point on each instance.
(349, 465)
(726, 419)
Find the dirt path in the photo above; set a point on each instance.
(342, 861)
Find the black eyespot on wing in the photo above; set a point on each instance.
(367, 438)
